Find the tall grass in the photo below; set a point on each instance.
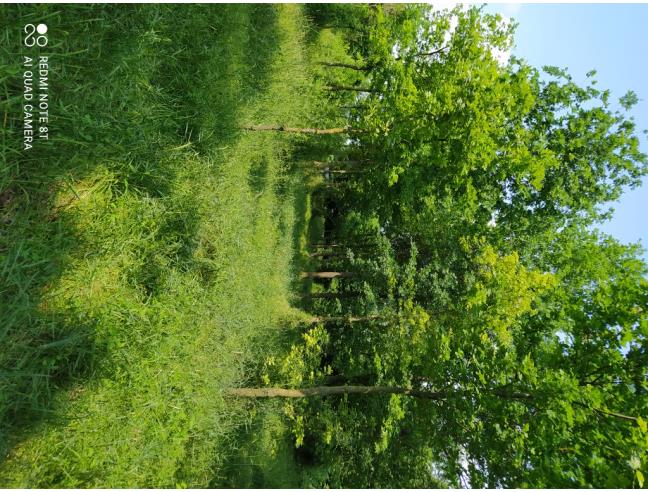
(146, 249)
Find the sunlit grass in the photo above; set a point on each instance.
(146, 254)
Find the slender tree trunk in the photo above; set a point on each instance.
(287, 129)
(367, 390)
(326, 274)
(321, 254)
(335, 88)
(336, 26)
(359, 68)
(332, 295)
(358, 246)
(331, 245)
(345, 171)
(336, 163)
(344, 319)
(333, 390)
(385, 390)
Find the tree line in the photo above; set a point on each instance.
(470, 326)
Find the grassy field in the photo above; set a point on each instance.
(147, 251)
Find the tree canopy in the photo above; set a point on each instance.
(504, 338)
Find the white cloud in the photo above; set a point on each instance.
(510, 9)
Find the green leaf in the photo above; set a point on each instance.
(640, 477)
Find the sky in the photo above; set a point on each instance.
(611, 38)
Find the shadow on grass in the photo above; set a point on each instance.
(227, 59)
(42, 351)
(264, 456)
(127, 85)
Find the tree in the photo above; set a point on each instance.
(495, 340)
(528, 385)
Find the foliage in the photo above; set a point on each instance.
(145, 253)
(517, 334)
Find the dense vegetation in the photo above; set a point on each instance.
(357, 210)
(477, 329)
(145, 251)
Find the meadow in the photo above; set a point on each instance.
(148, 250)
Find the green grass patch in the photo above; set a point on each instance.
(264, 453)
(146, 254)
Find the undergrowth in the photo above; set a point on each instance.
(146, 250)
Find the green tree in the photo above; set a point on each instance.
(494, 341)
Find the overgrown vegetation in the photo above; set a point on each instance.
(146, 249)
(355, 208)
(470, 328)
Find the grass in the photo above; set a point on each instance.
(146, 250)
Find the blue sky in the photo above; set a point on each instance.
(611, 38)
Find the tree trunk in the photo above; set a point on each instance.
(321, 254)
(348, 319)
(344, 171)
(338, 26)
(386, 390)
(370, 390)
(287, 129)
(336, 87)
(332, 295)
(331, 245)
(351, 246)
(359, 68)
(325, 274)
(335, 163)
(333, 390)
